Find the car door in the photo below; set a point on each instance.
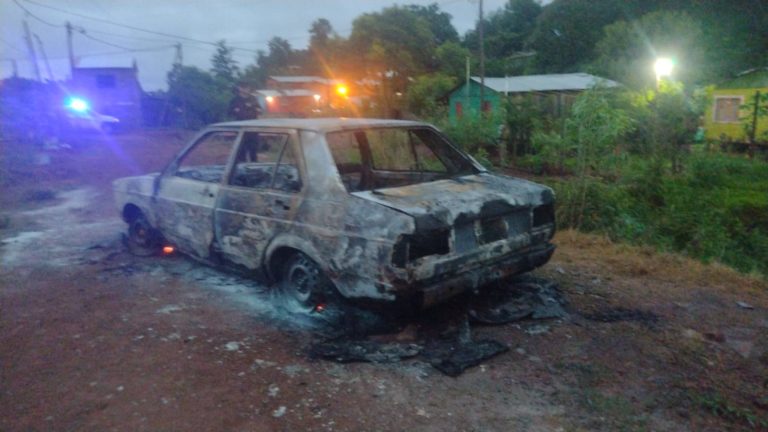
(261, 197)
(187, 191)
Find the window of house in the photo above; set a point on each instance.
(727, 109)
(105, 81)
(207, 160)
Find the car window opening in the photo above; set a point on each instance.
(379, 158)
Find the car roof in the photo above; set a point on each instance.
(321, 124)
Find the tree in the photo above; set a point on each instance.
(439, 22)
(395, 41)
(424, 93)
(627, 51)
(225, 68)
(567, 31)
(197, 95)
(451, 59)
(506, 31)
(320, 32)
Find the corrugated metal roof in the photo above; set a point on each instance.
(298, 79)
(541, 83)
(285, 93)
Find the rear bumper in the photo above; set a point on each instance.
(445, 286)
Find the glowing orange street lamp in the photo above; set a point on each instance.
(270, 99)
(342, 90)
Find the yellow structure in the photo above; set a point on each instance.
(728, 113)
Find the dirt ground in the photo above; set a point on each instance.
(94, 339)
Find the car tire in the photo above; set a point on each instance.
(143, 240)
(303, 286)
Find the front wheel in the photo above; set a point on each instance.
(143, 240)
(303, 284)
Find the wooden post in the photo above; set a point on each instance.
(753, 130)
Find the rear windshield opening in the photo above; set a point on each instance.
(389, 157)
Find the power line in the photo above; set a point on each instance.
(83, 32)
(129, 26)
(12, 46)
(35, 16)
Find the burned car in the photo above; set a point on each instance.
(362, 208)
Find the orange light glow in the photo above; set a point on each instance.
(320, 308)
(167, 250)
(342, 90)
(270, 99)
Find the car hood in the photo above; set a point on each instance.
(444, 203)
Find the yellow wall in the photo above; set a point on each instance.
(734, 131)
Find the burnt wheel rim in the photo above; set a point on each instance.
(140, 234)
(302, 280)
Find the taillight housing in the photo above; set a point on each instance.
(543, 215)
(411, 247)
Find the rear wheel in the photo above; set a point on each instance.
(303, 284)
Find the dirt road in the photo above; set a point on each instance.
(92, 338)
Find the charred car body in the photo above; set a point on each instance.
(370, 209)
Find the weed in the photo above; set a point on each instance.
(716, 404)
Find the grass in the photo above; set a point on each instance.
(715, 211)
(719, 406)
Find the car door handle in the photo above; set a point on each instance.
(207, 192)
(281, 203)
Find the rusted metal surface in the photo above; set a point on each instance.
(431, 238)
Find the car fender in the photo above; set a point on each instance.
(294, 242)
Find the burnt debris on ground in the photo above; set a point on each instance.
(443, 335)
(344, 332)
(617, 314)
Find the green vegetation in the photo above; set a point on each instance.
(717, 210)
(721, 407)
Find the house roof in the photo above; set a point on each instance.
(752, 78)
(541, 83)
(303, 79)
(297, 79)
(284, 93)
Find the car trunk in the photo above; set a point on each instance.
(481, 216)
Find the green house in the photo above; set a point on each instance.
(730, 116)
(554, 92)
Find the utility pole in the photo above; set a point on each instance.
(31, 49)
(70, 50)
(178, 60)
(466, 87)
(45, 57)
(482, 57)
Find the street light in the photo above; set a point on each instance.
(663, 68)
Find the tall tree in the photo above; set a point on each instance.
(224, 66)
(506, 31)
(627, 51)
(439, 22)
(567, 30)
(394, 41)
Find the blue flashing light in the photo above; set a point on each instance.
(77, 104)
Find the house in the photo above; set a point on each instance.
(731, 115)
(114, 91)
(554, 92)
